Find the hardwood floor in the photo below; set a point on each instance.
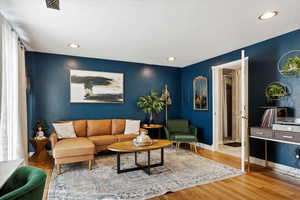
(259, 184)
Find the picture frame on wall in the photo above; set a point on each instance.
(200, 93)
(96, 87)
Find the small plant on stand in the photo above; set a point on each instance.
(151, 104)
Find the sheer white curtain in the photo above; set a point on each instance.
(13, 121)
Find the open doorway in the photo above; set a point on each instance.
(230, 109)
(230, 134)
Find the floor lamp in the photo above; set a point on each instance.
(165, 96)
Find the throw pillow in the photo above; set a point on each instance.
(132, 127)
(64, 130)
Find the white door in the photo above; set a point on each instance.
(244, 110)
(217, 108)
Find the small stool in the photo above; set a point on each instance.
(40, 153)
(190, 139)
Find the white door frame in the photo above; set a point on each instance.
(231, 65)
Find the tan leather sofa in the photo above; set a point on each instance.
(92, 135)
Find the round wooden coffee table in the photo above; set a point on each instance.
(129, 147)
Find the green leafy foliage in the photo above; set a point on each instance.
(151, 103)
(275, 91)
(292, 66)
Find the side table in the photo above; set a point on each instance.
(41, 153)
(150, 127)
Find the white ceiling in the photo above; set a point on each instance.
(149, 31)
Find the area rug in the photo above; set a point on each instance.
(182, 169)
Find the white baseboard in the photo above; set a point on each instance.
(204, 146)
(284, 169)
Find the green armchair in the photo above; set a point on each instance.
(26, 183)
(179, 131)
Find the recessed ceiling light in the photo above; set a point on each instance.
(171, 59)
(73, 45)
(268, 15)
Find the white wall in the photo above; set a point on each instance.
(1, 21)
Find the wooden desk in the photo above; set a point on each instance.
(7, 168)
(267, 134)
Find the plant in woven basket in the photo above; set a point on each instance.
(151, 104)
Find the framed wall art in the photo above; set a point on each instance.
(96, 87)
(200, 93)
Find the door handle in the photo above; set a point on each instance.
(244, 117)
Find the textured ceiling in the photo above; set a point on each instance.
(149, 31)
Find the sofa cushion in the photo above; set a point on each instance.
(103, 139)
(73, 147)
(127, 137)
(64, 130)
(132, 126)
(80, 128)
(98, 127)
(117, 126)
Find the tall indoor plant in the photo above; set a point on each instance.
(151, 104)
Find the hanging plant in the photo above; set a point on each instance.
(275, 91)
(289, 64)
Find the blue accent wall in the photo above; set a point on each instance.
(263, 58)
(50, 88)
(49, 95)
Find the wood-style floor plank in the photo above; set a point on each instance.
(260, 184)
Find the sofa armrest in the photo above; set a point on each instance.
(53, 139)
(193, 130)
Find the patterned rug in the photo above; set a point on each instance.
(182, 169)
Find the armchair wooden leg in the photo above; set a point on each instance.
(191, 146)
(195, 147)
(177, 145)
(90, 164)
(58, 169)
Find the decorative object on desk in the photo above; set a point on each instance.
(142, 140)
(200, 93)
(289, 64)
(166, 97)
(39, 129)
(268, 118)
(272, 114)
(96, 87)
(40, 153)
(275, 91)
(151, 104)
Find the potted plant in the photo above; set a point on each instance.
(275, 91)
(151, 104)
(292, 66)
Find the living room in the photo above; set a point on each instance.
(149, 100)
